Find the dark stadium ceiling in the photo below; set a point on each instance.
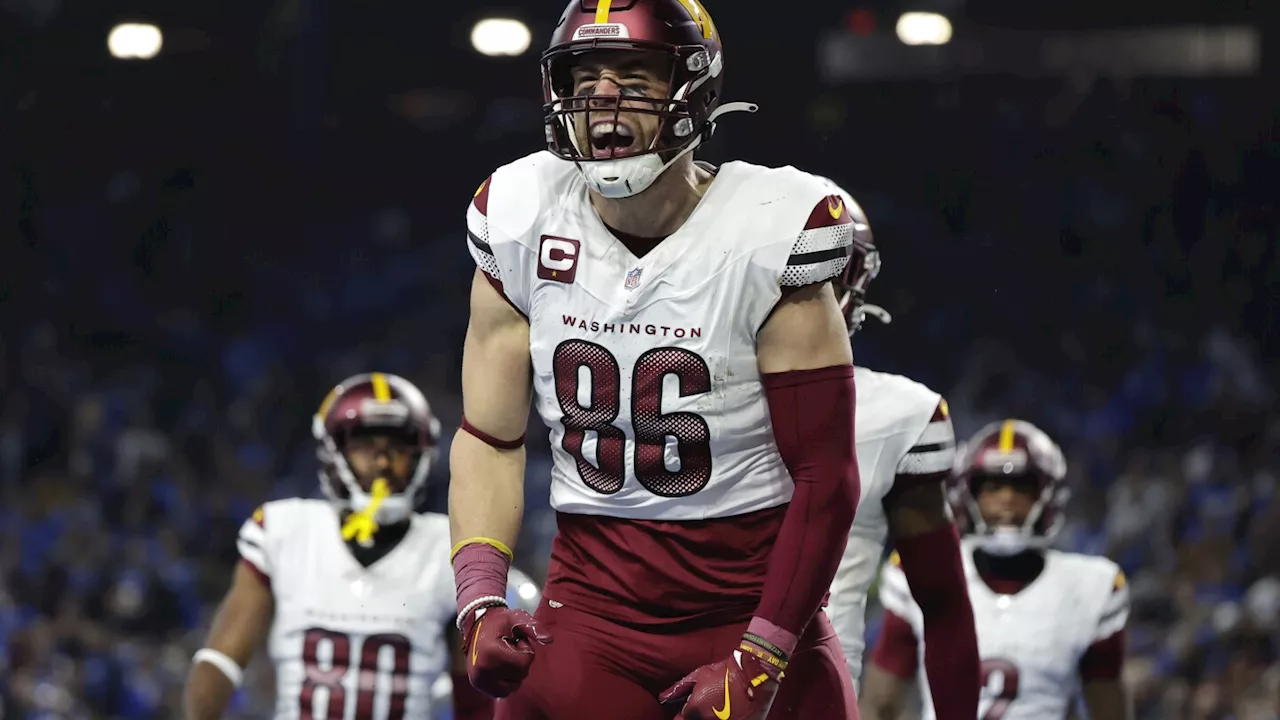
(406, 41)
(427, 19)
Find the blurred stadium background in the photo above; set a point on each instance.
(212, 211)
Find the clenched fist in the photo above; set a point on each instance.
(741, 687)
(499, 644)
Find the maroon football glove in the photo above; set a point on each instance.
(740, 687)
(499, 644)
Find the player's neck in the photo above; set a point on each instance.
(1020, 567)
(662, 208)
(384, 541)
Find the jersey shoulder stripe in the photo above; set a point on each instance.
(478, 231)
(503, 215)
(251, 542)
(269, 525)
(822, 248)
(1103, 587)
(1115, 612)
(933, 454)
(799, 226)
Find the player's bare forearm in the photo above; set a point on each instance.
(929, 552)
(883, 696)
(486, 490)
(807, 371)
(1107, 700)
(238, 629)
(916, 509)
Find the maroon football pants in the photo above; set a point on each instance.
(598, 669)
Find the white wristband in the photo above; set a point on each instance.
(480, 602)
(221, 661)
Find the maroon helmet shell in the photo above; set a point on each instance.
(1011, 449)
(679, 30)
(371, 402)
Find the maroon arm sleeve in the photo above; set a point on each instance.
(812, 414)
(896, 648)
(931, 562)
(468, 702)
(1104, 659)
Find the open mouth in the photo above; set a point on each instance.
(611, 139)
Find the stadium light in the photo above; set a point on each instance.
(134, 41)
(528, 591)
(924, 28)
(500, 36)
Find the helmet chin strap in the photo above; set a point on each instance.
(362, 524)
(379, 505)
(626, 177)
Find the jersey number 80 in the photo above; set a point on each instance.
(331, 673)
(649, 425)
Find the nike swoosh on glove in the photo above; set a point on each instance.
(499, 645)
(739, 687)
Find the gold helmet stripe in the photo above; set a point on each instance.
(602, 11)
(381, 390)
(1006, 436)
(700, 16)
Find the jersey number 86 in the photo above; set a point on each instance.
(649, 425)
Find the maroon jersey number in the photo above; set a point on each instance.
(650, 427)
(328, 673)
(1008, 673)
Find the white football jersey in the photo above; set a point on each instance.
(1031, 642)
(903, 429)
(644, 369)
(350, 642)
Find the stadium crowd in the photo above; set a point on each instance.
(1111, 275)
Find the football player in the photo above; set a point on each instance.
(677, 327)
(906, 451)
(352, 593)
(1050, 623)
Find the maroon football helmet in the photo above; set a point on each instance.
(679, 32)
(379, 403)
(863, 267)
(1010, 450)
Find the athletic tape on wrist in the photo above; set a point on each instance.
(491, 542)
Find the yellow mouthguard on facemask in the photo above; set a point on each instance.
(361, 525)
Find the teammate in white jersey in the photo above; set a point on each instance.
(352, 594)
(684, 346)
(1050, 623)
(906, 451)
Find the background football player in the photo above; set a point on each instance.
(678, 328)
(353, 592)
(906, 451)
(1050, 623)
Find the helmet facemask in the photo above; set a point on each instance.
(599, 132)
(852, 294)
(1038, 529)
(382, 503)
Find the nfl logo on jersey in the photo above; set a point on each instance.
(633, 279)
